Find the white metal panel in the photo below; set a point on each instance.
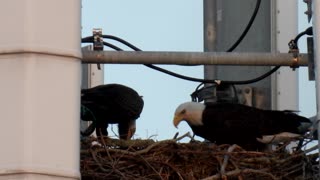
(93, 76)
(286, 81)
(96, 76)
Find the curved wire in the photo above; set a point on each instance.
(308, 31)
(112, 46)
(90, 38)
(246, 30)
(244, 33)
(86, 39)
(122, 41)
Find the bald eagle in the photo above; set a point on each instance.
(228, 123)
(111, 104)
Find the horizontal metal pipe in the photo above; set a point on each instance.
(193, 58)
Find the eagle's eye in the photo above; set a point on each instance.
(183, 111)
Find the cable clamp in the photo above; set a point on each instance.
(295, 59)
(97, 41)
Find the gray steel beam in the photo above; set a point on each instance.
(193, 58)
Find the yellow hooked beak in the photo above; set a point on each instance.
(131, 132)
(177, 119)
(132, 129)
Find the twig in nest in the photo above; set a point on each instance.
(93, 154)
(293, 169)
(176, 135)
(183, 136)
(171, 160)
(283, 146)
(176, 138)
(114, 133)
(151, 166)
(192, 138)
(112, 161)
(306, 141)
(290, 158)
(147, 149)
(226, 158)
(311, 149)
(237, 172)
(106, 150)
(150, 137)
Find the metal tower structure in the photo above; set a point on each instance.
(225, 21)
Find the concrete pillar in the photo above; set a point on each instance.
(40, 89)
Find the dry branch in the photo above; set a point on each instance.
(170, 159)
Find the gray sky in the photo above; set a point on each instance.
(307, 98)
(152, 26)
(162, 26)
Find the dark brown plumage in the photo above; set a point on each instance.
(238, 124)
(112, 104)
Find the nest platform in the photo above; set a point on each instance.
(106, 158)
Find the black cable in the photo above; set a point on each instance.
(308, 31)
(122, 41)
(256, 10)
(195, 98)
(191, 78)
(112, 46)
(179, 75)
(87, 39)
(161, 69)
(274, 69)
(244, 33)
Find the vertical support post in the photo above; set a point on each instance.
(316, 36)
(210, 33)
(40, 89)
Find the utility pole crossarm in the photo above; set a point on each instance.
(194, 58)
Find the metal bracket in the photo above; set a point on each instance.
(295, 59)
(310, 59)
(97, 41)
(309, 10)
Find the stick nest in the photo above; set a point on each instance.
(106, 158)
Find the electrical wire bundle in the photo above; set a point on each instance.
(90, 39)
(216, 82)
